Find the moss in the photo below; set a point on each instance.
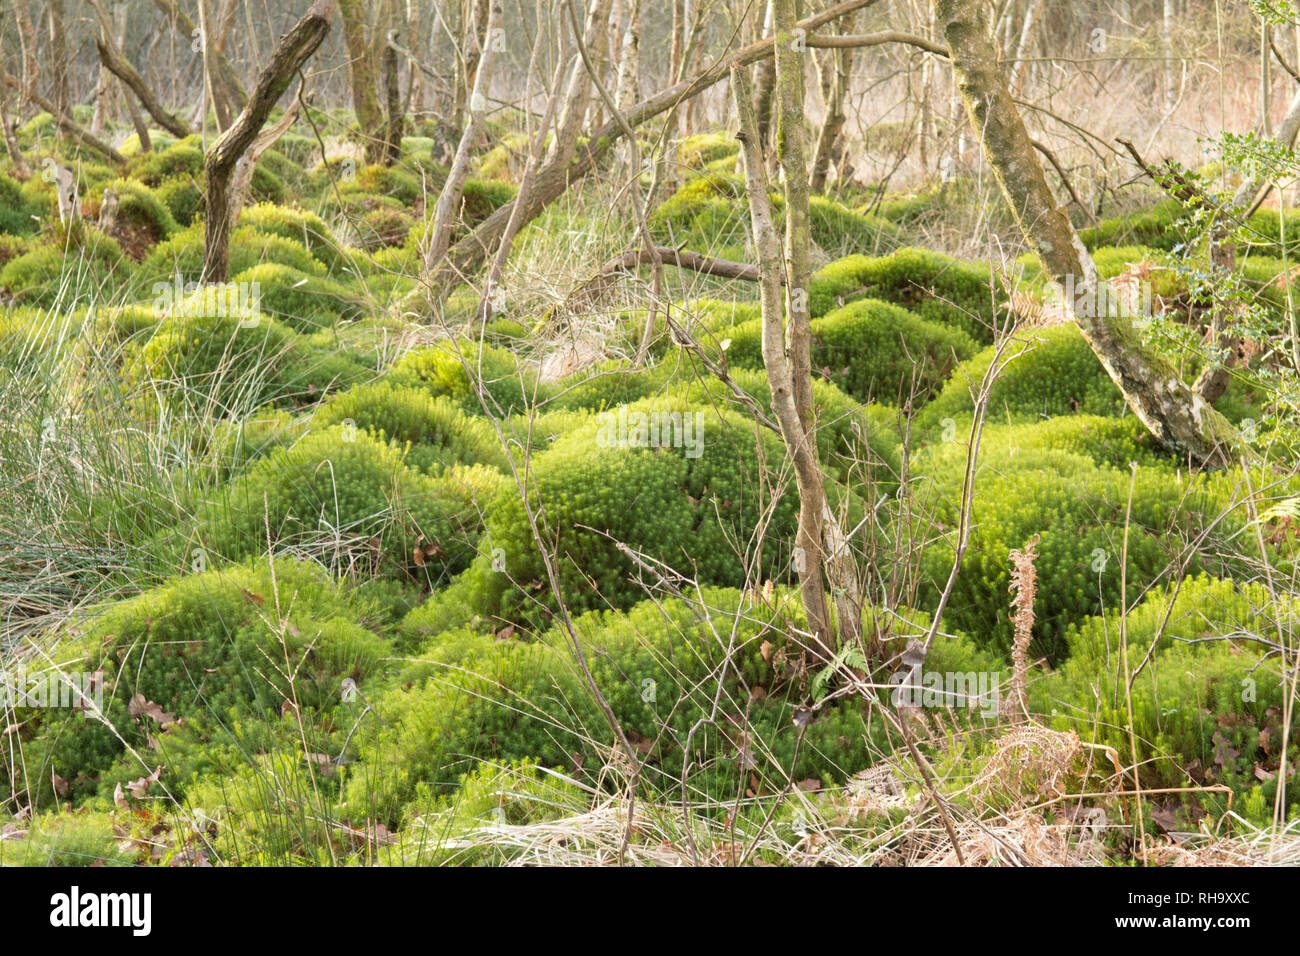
(202, 646)
(298, 225)
(1210, 710)
(1153, 228)
(1054, 373)
(445, 369)
(934, 286)
(688, 506)
(438, 431)
(701, 149)
(1033, 483)
(82, 270)
(183, 199)
(183, 254)
(16, 212)
(871, 349)
(139, 210)
(301, 301)
(346, 497)
(658, 666)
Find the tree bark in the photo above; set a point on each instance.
(834, 89)
(363, 75)
(444, 217)
(61, 94)
(114, 60)
(290, 53)
(1178, 417)
(562, 169)
(396, 115)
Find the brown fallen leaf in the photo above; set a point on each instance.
(139, 788)
(139, 706)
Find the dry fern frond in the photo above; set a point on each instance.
(1028, 763)
(1024, 587)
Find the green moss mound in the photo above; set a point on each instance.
(301, 301)
(346, 498)
(872, 350)
(445, 369)
(1078, 510)
(1207, 705)
(936, 287)
(202, 648)
(439, 432)
(687, 505)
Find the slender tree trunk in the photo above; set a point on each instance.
(21, 168)
(527, 182)
(563, 169)
(228, 76)
(448, 206)
(416, 91)
(114, 60)
(835, 87)
(765, 84)
(291, 51)
(363, 76)
(61, 93)
(1178, 417)
(396, 115)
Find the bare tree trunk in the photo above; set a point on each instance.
(113, 59)
(229, 78)
(291, 51)
(1026, 39)
(21, 168)
(221, 107)
(363, 73)
(629, 71)
(27, 41)
(444, 217)
(416, 91)
(562, 169)
(835, 87)
(61, 94)
(527, 182)
(241, 183)
(393, 105)
(1167, 49)
(1178, 417)
(765, 84)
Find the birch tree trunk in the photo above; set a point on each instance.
(1173, 411)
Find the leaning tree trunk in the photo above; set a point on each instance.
(444, 216)
(563, 167)
(290, 53)
(1173, 411)
(114, 60)
(835, 89)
